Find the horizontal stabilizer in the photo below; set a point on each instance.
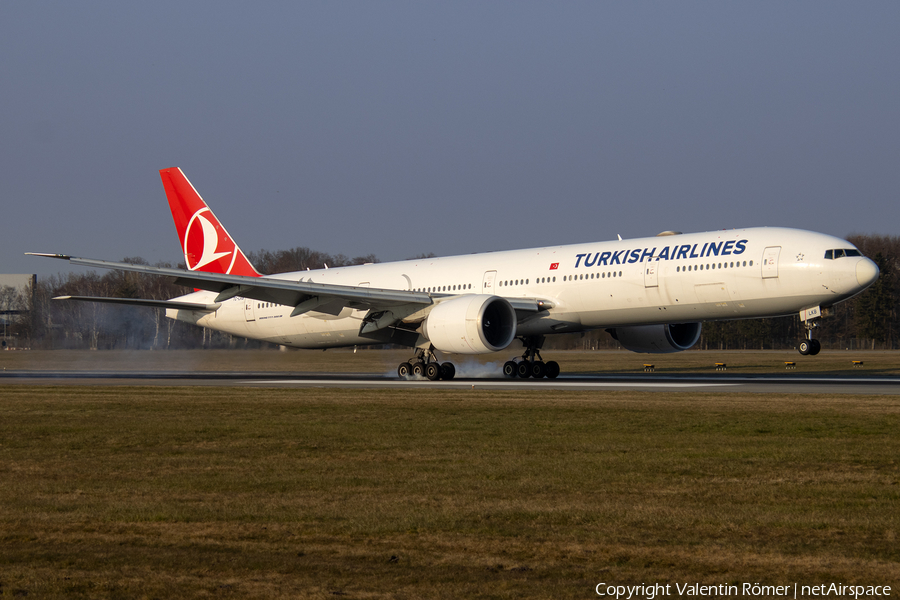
(143, 302)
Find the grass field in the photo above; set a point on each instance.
(386, 361)
(115, 492)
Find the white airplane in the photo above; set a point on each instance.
(651, 294)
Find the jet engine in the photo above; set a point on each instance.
(475, 324)
(657, 339)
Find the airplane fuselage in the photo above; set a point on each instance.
(683, 278)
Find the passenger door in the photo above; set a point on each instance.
(770, 262)
(651, 273)
(487, 284)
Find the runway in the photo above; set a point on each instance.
(712, 383)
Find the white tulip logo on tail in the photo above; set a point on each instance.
(206, 243)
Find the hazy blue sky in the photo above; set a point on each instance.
(454, 127)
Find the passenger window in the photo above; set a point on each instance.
(751, 263)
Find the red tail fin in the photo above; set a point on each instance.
(205, 243)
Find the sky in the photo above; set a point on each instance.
(402, 128)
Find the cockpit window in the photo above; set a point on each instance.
(841, 253)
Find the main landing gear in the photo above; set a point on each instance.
(810, 346)
(531, 364)
(425, 364)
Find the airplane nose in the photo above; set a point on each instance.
(866, 272)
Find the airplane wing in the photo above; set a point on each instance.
(305, 296)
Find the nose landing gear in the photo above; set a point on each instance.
(809, 346)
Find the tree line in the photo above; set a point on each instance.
(867, 321)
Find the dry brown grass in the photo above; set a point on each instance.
(322, 493)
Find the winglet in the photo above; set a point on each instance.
(205, 243)
(46, 255)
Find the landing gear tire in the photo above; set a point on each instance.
(448, 371)
(805, 347)
(531, 364)
(552, 369)
(433, 371)
(510, 369)
(425, 365)
(814, 347)
(523, 370)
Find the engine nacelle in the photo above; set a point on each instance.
(657, 339)
(476, 324)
